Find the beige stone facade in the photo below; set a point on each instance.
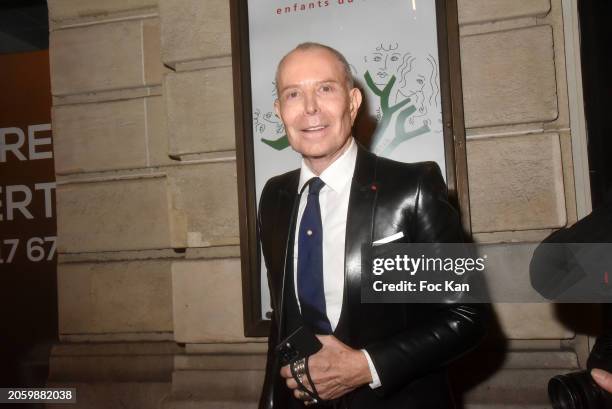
(149, 269)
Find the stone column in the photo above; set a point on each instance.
(520, 179)
(120, 222)
(220, 367)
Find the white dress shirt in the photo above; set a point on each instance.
(333, 201)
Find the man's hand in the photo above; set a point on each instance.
(335, 370)
(603, 379)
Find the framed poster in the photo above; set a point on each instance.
(404, 55)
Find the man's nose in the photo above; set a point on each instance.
(311, 105)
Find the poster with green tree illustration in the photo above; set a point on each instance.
(392, 49)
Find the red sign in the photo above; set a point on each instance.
(28, 289)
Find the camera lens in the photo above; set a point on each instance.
(577, 390)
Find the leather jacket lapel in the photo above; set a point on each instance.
(359, 224)
(286, 212)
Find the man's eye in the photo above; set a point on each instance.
(291, 94)
(326, 88)
(394, 58)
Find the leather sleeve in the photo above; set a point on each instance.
(270, 390)
(266, 401)
(452, 329)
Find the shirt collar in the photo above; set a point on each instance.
(338, 174)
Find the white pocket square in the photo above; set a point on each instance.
(389, 239)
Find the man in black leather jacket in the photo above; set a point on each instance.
(378, 355)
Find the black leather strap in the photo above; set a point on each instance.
(313, 394)
(314, 389)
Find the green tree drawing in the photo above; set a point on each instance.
(279, 144)
(401, 135)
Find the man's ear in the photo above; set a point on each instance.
(355, 99)
(277, 107)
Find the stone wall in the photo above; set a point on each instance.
(149, 270)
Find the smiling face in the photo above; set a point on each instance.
(316, 105)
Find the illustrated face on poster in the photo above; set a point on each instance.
(393, 54)
(386, 60)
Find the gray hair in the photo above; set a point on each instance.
(350, 83)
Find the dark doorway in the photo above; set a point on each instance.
(596, 54)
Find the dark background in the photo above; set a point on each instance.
(596, 53)
(24, 26)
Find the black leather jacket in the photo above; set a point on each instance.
(409, 343)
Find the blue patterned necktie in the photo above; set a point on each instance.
(310, 287)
